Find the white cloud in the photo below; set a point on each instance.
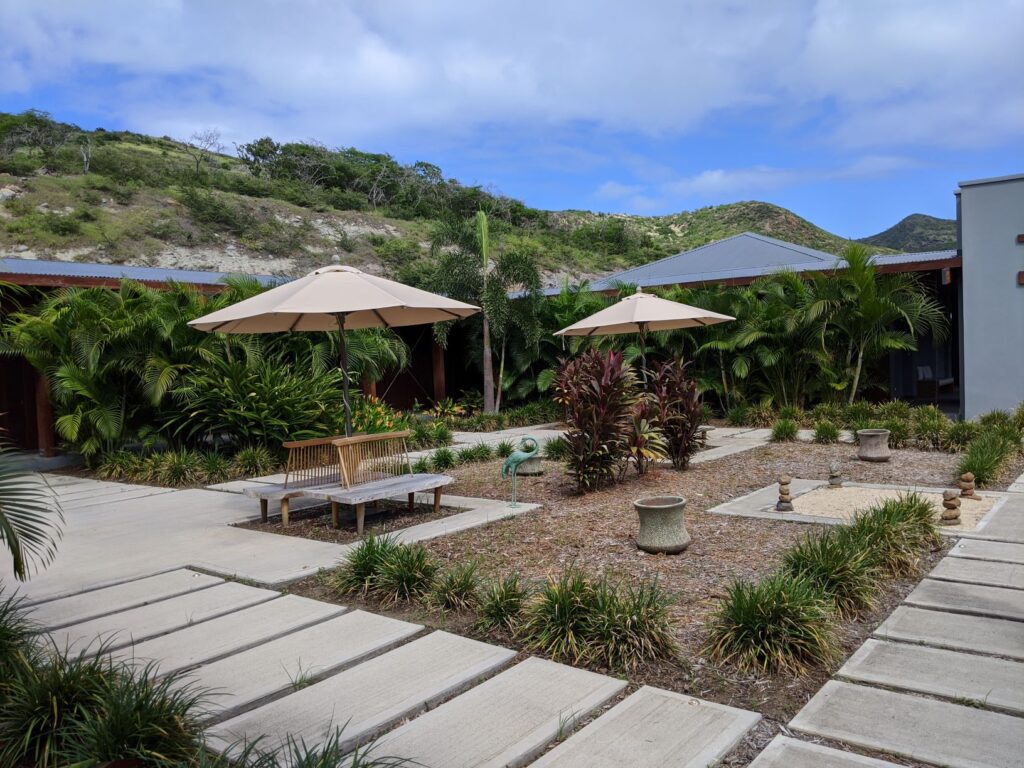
(876, 74)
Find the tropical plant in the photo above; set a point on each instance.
(782, 623)
(894, 532)
(645, 442)
(556, 449)
(458, 588)
(31, 519)
(408, 572)
(254, 461)
(555, 620)
(17, 635)
(443, 459)
(826, 431)
(839, 567)
(598, 392)
(501, 605)
(361, 567)
(629, 626)
(784, 431)
(678, 410)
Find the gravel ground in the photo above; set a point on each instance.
(596, 533)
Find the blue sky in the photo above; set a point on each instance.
(852, 114)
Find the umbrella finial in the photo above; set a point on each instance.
(336, 258)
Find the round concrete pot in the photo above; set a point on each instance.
(873, 444)
(662, 525)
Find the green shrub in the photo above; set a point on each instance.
(501, 605)
(894, 532)
(899, 431)
(677, 411)
(556, 450)
(839, 567)
(706, 413)
(792, 412)
(216, 467)
(440, 432)
(504, 449)
(254, 461)
(1018, 417)
(828, 412)
(17, 634)
(118, 465)
(150, 468)
(627, 627)
(959, 434)
(784, 431)
(995, 419)
(986, 455)
(858, 413)
(422, 435)
(737, 416)
(465, 455)
(893, 409)
(421, 466)
(555, 620)
(482, 452)
(779, 624)
(762, 415)
(856, 426)
(371, 416)
(137, 716)
(42, 698)
(406, 573)
(826, 431)
(931, 427)
(181, 468)
(443, 459)
(361, 567)
(458, 588)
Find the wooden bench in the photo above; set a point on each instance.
(349, 470)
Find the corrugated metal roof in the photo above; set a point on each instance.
(118, 271)
(743, 256)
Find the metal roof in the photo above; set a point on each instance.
(74, 269)
(740, 257)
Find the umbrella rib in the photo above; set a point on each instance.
(298, 319)
(381, 318)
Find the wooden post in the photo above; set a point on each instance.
(369, 387)
(44, 416)
(412, 501)
(334, 514)
(437, 501)
(263, 510)
(360, 516)
(285, 509)
(437, 359)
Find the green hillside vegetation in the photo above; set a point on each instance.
(917, 233)
(284, 208)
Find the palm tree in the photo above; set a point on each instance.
(30, 516)
(873, 313)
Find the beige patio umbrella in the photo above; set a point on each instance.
(334, 298)
(640, 313)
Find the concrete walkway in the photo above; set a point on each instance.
(942, 680)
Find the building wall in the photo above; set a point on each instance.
(992, 216)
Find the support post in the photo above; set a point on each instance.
(340, 317)
(44, 416)
(285, 510)
(360, 517)
(335, 521)
(437, 361)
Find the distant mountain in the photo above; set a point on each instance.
(916, 233)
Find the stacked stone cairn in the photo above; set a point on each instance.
(785, 503)
(835, 475)
(950, 508)
(967, 486)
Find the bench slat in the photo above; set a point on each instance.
(383, 489)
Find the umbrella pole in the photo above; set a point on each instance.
(643, 353)
(340, 317)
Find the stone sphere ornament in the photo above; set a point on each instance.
(873, 445)
(662, 525)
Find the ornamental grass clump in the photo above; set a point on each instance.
(555, 621)
(837, 565)
(826, 432)
(504, 449)
(501, 605)
(959, 435)
(738, 416)
(363, 564)
(458, 588)
(784, 431)
(900, 431)
(894, 532)
(598, 392)
(181, 468)
(930, 426)
(443, 459)
(556, 450)
(254, 461)
(782, 623)
(986, 455)
(407, 573)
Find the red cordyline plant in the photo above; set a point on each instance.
(678, 410)
(598, 392)
(646, 443)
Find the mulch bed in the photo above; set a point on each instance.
(595, 532)
(315, 522)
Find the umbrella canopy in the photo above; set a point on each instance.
(640, 313)
(334, 298)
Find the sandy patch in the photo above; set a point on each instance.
(842, 502)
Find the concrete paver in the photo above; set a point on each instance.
(505, 721)
(130, 594)
(784, 752)
(137, 624)
(972, 599)
(979, 549)
(654, 729)
(246, 679)
(987, 572)
(912, 726)
(231, 633)
(370, 696)
(1007, 523)
(994, 683)
(956, 631)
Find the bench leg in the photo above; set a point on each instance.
(360, 516)
(437, 501)
(284, 511)
(334, 514)
(263, 510)
(412, 501)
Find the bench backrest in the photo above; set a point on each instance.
(312, 462)
(368, 458)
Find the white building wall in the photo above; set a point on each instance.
(991, 218)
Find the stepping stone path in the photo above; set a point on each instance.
(942, 680)
(281, 666)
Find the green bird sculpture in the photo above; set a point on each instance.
(528, 448)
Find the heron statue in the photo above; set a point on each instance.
(528, 448)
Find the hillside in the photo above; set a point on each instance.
(916, 233)
(121, 197)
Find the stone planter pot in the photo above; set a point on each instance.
(662, 525)
(873, 444)
(532, 466)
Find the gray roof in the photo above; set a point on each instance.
(743, 256)
(118, 271)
